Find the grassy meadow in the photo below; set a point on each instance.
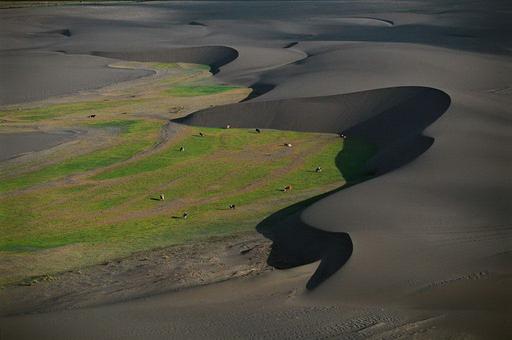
(104, 203)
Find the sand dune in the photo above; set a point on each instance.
(333, 113)
(393, 119)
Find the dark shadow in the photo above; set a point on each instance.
(65, 32)
(291, 44)
(259, 89)
(155, 199)
(294, 243)
(196, 23)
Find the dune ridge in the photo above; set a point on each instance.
(392, 119)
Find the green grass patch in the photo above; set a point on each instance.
(225, 166)
(134, 139)
(198, 90)
(60, 110)
(115, 210)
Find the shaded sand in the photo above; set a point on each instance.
(431, 235)
(16, 144)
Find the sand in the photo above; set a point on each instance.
(39, 75)
(430, 238)
(16, 144)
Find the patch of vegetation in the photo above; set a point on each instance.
(61, 110)
(136, 136)
(213, 172)
(113, 208)
(198, 90)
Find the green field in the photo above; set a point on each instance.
(198, 90)
(105, 203)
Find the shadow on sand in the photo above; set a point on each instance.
(295, 243)
(397, 136)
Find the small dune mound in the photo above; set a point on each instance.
(196, 23)
(360, 21)
(65, 32)
(215, 56)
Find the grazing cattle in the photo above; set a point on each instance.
(162, 197)
(228, 126)
(288, 145)
(185, 215)
(258, 130)
(182, 149)
(201, 134)
(342, 135)
(92, 116)
(287, 188)
(232, 206)
(318, 169)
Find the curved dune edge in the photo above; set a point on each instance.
(391, 118)
(360, 21)
(215, 56)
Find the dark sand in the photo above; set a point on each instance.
(38, 75)
(16, 144)
(431, 234)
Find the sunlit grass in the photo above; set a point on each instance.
(198, 90)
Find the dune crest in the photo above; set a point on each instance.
(392, 119)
